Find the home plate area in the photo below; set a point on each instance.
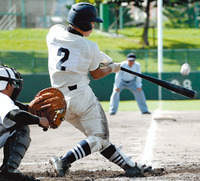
(169, 141)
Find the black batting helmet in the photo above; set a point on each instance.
(82, 14)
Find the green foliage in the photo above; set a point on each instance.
(175, 3)
(182, 17)
(95, 2)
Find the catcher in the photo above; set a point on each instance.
(71, 58)
(14, 130)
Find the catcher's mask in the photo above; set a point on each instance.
(82, 14)
(11, 76)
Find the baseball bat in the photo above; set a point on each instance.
(167, 85)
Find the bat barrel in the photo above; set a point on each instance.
(167, 85)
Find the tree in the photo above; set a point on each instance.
(144, 5)
(95, 2)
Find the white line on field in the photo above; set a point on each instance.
(34, 163)
(147, 155)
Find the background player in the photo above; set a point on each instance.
(71, 58)
(124, 80)
(14, 132)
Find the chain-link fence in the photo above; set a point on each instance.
(37, 62)
(28, 13)
(172, 59)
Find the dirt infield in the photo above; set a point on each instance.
(170, 142)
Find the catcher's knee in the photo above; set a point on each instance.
(98, 142)
(16, 147)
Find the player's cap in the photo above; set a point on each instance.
(131, 57)
(82, 14)
(6, 75)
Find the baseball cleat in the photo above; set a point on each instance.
(146, 112)
(60, 166)
(112, 113)
(6, 176)
(137, 170)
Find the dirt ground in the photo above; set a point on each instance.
(166, 140)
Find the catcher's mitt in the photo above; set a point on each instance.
(49, 103)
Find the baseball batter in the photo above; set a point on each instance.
(14, 131)
(124, 80)
(71, 58)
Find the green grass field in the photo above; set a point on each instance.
(175, 105)
(35, 39)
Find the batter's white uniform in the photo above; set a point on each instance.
(71, 57)
(6, 105)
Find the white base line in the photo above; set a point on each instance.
(147, 155)
(34, 163)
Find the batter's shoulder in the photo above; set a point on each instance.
(57, 27)
(94, 46)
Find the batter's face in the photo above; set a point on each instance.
(87, 33)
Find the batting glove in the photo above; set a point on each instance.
(115, 67)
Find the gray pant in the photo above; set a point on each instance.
(139, 96)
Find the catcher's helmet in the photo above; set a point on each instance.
(12, 76)
(82, 14)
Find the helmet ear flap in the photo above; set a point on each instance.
(86, 26)
(18, 84)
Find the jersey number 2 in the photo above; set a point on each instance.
(62, 60)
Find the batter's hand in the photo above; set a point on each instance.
(44, 123)
(115, 67)
(139, 89)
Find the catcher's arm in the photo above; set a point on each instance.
(24, 118)
(21, 105)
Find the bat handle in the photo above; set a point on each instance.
(45, 129)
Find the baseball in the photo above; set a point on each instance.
(185, 69)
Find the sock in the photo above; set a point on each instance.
(81, 150)
(115, 155)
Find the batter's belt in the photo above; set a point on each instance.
(73, 87)
(66, 89)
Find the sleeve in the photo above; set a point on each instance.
(22, 117)
(21, 106)
(97, 57)
(105, 58)
(118, 77)
(138, 79)
(5, 107)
